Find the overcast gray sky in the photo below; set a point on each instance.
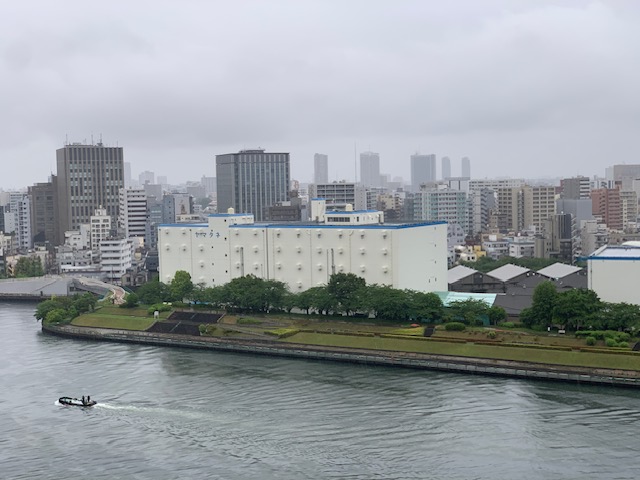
(524, 88)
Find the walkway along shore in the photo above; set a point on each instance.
(446, 363)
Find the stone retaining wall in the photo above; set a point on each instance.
(505, 368)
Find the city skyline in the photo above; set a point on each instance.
(524, 89)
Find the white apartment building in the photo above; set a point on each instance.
(132, 214)
(100, 227)
(340, 194)
(494, 183)
(229, 246)
(116, 257)
(18, 220)
(78, 239)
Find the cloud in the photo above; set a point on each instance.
(508, 85)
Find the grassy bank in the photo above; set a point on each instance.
(537, 347)
(573, 358)
(118, 318)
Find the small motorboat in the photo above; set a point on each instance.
(74, 402)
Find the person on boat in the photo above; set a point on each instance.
(88, 399)
(83, 400)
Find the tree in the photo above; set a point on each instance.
(427, 306)
(496, 314)
(47, 306)
(130, 301)
(28, 267)
(544, 300)
(153, 292)
(346, 290)
(181, 286)
(468, 311)
(57, 315)
(322, 300)
(387, 303)
(617, 316)
(575, 308)
(303, 300)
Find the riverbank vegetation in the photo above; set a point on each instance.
(348, 313)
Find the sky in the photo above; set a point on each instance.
(523, 88)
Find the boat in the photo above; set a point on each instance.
(74, 402)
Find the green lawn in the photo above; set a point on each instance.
(106, 320)
(578, 359)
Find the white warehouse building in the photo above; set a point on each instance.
(229, 246)
(614, 273)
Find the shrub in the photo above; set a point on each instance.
(507, 324)
(160, 307)
(610, 342)
(202, 328)
(623, 344)
(248, 321)
(454, 326)
(591, 341)
(492, 334)
(282, 332)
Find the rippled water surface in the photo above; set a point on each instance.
(170, 413)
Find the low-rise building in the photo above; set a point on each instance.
(229, 246)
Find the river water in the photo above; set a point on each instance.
(168, 413)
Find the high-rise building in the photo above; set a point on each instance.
(100, 229)
(88, 177)
(147, 177)
(320, 168)
(442, 204)
(423, 170)
(623, 174)
(127, 175)
(251, 181)
(17, 220)
(522, 207)
(466, 167)
(370, 169)
(43, 205)
(446, 168)
(340, 194)
(575, 188)
(607, 207)
(132, 217)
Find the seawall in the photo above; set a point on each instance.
(446, 363)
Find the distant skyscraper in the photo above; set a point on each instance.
(320, 168)
(423, 170)
(250, 181)
(127, 174)
(146, 177)
(162, 180)
(446, 168)
(370, 169)
(89, 177)
(466, 167)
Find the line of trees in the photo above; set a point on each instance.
(345, 294)
(65, 309)
(578, 309)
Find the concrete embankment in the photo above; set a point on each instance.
(479, 366)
